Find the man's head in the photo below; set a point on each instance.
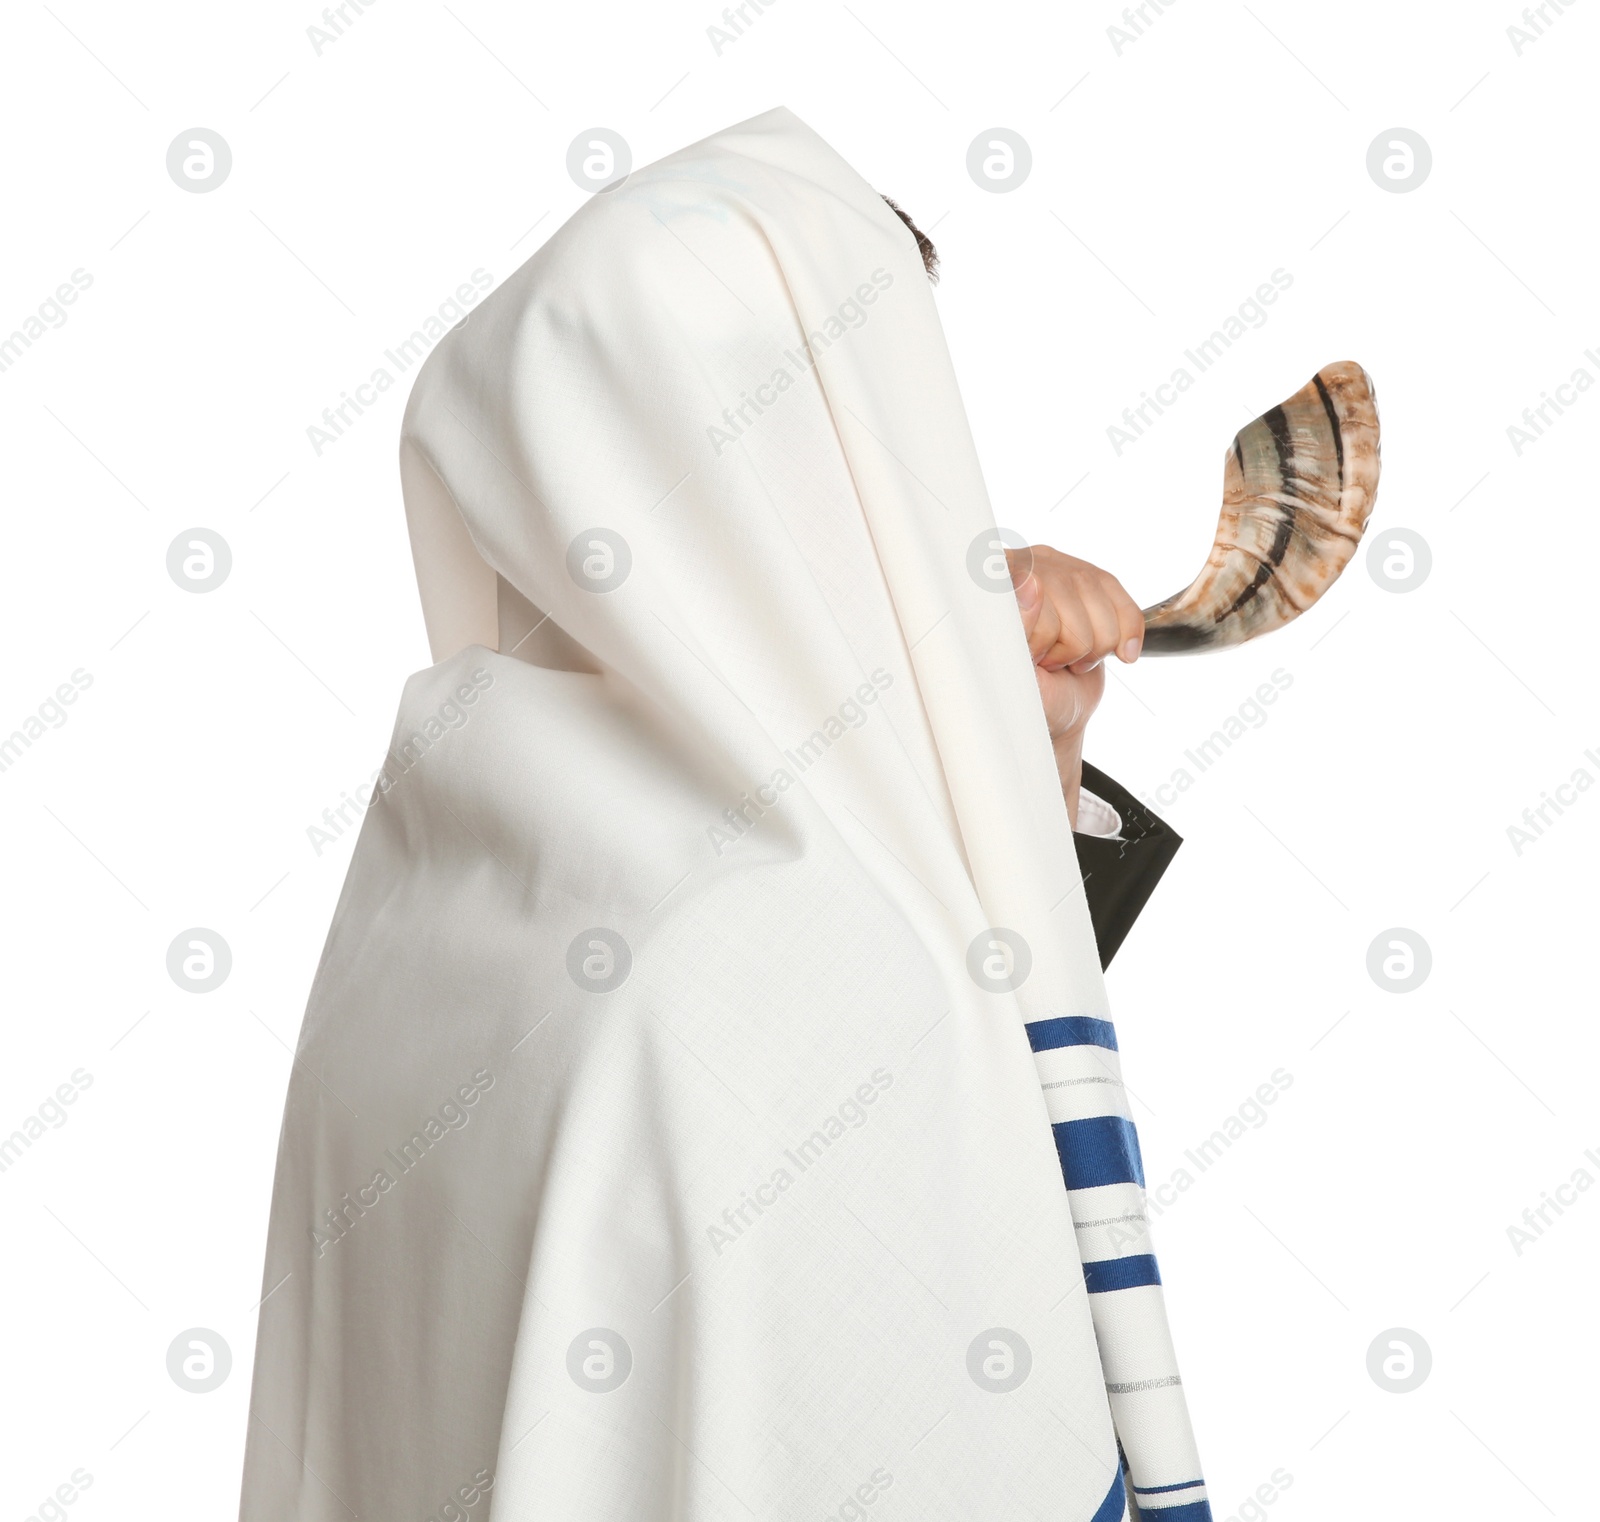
(930, 255)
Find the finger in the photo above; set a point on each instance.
(1101, 613)
(1074, 639)
(1038, 621)
(1030, 602)
(1130, 623)
(1034, 603)
(1044, 627)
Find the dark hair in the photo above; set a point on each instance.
(930, 255)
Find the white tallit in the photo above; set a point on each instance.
(667, 1139)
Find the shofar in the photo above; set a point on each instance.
(1298, 488)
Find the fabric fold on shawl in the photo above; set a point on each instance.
(764, 789)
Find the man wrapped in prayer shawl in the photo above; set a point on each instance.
(708, 1104)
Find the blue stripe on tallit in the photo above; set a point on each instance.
(1108, 1274)
(1115, 1505)
(1071, 1030)
(1104, 1149)
(1095, 1152)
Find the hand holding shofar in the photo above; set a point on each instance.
(1297, 490)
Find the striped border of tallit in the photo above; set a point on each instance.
(1081, 1074)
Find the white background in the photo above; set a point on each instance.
(1169, 179)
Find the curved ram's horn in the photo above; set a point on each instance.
(1297, 490)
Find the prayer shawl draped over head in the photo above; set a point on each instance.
(711, 1015)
